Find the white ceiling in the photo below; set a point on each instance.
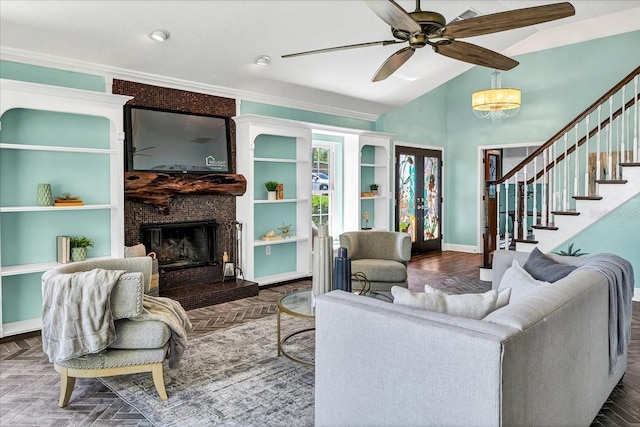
(213, 45)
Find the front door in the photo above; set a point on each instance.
(419, 197)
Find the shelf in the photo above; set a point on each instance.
(280, 201)
(57, 148)
(374, 165)
(373, 198)
(274, 160)
(279, 242)
(41, 267)
(55, 208)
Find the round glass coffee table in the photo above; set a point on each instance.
(300, 304)
(297, 304)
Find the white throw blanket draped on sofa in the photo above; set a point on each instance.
(76, 313)
(619, 274)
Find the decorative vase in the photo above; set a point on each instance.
(342, 271)
(322, 266)
(78, 254)
(43, 195)
(271, 195)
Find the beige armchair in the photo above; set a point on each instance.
(381, 255)
(139, 346)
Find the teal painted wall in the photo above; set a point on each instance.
(50, 76)
(249, 107)
(556, 85)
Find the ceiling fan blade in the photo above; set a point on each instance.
(392, 63)
(395, 16)
(510, 20)
(474, 54)
(349, 46)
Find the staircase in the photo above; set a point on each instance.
(580, 175)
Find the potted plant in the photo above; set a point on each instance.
(374, 189)
(272, 187)
(79, 245)
(404, 227)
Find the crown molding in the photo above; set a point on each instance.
(109, 72)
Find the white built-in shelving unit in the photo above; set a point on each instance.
(28, 232)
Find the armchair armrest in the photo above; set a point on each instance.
(126, 296)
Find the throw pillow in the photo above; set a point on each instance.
(474, 306)
(503, 295)
(520, 282)
(135, 251)
(544, 268)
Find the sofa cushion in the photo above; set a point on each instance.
(381, 269)
(474, 306)
(544, 268)
(520, 282)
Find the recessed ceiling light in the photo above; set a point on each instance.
(262, 60)
(159, 35)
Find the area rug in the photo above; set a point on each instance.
(231, 377)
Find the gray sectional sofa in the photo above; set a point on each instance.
(542, 360)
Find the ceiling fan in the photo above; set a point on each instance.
(422, 28)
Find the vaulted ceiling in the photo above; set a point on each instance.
(213, 44)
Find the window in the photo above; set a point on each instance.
(322, 184)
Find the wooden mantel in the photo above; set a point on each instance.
(158, 188)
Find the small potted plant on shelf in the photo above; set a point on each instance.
(272, 188)
(374, 189)
(79, 245)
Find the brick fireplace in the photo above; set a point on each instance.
(200, 285)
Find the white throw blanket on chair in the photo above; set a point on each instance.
(170, 312)
(76, 313)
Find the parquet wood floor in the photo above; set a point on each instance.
(34, 391)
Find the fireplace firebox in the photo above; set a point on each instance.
(181, 245)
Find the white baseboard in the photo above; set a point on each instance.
(636, 294)
(459, 248)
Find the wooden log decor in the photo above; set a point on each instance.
(158, 188)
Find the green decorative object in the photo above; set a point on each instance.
(78, 254)
(286, 230)
(79, 245)
(43, 195)
(571, 252)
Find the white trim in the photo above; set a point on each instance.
(636, 294)
(480, 182)
(460, 248)
(20, 327)
(109, 72)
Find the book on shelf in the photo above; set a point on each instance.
(64, 249)
(71, 202)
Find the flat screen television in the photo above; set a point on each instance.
(165, 141)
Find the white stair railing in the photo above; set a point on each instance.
(569, 166)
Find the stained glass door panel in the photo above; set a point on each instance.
(419, 199)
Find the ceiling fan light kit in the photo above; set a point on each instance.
(421, 28)
(496, 103)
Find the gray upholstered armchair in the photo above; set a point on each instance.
(139, 346)
(381, 255)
